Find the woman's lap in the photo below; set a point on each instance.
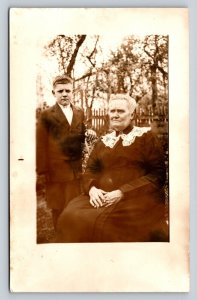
(80, 222)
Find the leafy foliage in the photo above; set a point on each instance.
(138, 66)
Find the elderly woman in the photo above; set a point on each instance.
(123, 199)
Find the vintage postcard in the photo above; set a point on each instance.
(99, 150)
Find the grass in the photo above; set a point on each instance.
(45, 229)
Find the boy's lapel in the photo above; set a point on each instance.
(76, 117)
(59, 116)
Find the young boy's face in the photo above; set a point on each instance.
(63, 93)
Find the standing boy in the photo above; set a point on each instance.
(60, 137)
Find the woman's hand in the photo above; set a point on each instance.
(113, 197)
(97, 197)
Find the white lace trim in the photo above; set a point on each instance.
(111, 139)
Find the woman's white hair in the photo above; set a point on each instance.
(131, 101)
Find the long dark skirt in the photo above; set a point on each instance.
(129, 220)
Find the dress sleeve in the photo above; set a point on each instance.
(154, 164)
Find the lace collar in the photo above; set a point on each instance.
(111, 139)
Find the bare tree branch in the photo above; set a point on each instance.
(61, 64)
(165, 74)
(148, 52)
(89, 57)
(88, 74)
(74, 55)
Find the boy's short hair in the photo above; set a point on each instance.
(62, 79)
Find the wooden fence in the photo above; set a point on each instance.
(99, 120)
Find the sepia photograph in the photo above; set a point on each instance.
(99, 149)
(102, 139)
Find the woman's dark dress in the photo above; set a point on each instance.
(138, 170)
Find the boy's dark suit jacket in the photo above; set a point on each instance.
(59, 151)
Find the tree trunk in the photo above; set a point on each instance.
(154, 87)
(74, 55)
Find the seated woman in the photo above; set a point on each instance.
(123, 198)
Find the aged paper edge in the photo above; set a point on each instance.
(120, 267)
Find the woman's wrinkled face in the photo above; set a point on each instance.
(119, 114)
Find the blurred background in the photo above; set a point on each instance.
(102, 65)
